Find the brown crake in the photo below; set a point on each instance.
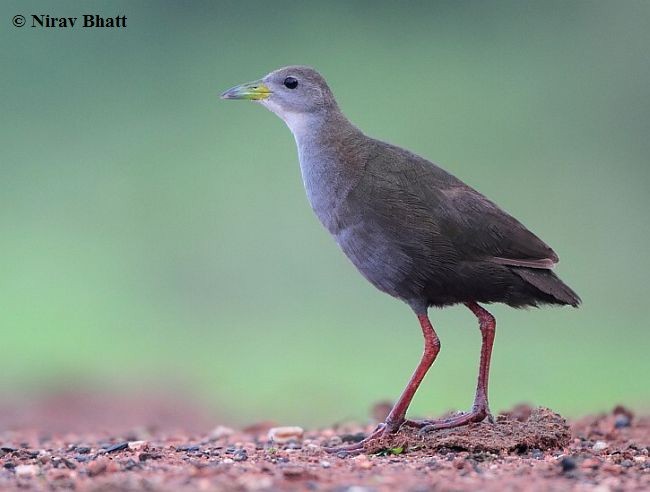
(411, 228)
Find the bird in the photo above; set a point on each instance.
(412, 229)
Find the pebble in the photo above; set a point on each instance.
(285, 434)
(228, 461)
(622, 420)
(220, 432)
(600, 446)
(292, 471)
(568, 464)
(25, 471)
(117, 447)
(190, 448)
(240, 455)
(137, 445)
(312, 448)
(334, 441)
(97, 467)
(537, 454)
(325, 464)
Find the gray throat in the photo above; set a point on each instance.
(332, 154)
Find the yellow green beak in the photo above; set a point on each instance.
(253, 91)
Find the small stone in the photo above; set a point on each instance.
(190, 448)
(96, 467)
(600, 446)
(142, 457)
(292, 471)
(117, 447)
(220, 432)
(26, 471)
(240, 455)
(82, 449)
(285, 434)
(137, 445)
(537, 454)
(334, 441)
(568, 464)
(325, 464)
(627, 463)
(312, 448)
(228, 461)
(622, 420)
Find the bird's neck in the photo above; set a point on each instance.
(332, 154)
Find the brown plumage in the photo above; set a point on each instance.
(411, 228)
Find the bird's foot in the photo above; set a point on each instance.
(380, 431)
(477, 414)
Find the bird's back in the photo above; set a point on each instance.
(421, 234)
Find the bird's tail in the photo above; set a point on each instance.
(550, 284)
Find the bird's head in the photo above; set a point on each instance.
(293, 93)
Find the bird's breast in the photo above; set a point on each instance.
(326, 186)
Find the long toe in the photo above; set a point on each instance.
(465, 418)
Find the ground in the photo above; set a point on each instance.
(531, 449)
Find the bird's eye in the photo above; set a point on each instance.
(291, 82)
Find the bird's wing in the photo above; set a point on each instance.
(476, 228)
(480, 229)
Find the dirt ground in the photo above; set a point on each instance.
(525, 449)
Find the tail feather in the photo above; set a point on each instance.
(549, 283)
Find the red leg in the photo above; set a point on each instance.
(480, 409)
(397, 415)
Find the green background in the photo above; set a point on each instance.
(154, 236)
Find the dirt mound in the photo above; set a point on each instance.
(543, 429)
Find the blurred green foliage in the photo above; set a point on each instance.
(151, 234)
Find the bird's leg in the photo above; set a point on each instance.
(480, 410)
(397, 415)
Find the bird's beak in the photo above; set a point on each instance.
(253, 91)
